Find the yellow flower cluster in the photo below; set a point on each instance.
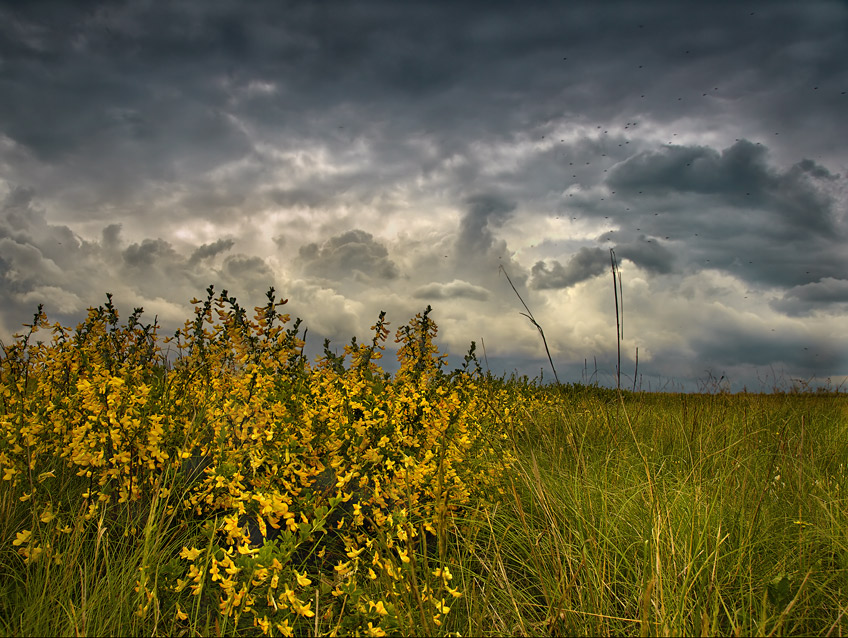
(333, 485)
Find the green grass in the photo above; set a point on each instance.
(671, 515)
(632, 514)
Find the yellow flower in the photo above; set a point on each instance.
(190, 554)
(232, 527)
(259, 576)
(195, 574)
(32, 554)
(288, 593)
(228, 584)
(375, 631)
(264, 624)
(354, 553)
(47, 515)
(181, 615)
(302, 580)
(454, 592)
(22, 537)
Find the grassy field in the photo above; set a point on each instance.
(227, 486)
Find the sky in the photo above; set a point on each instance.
(367, 156)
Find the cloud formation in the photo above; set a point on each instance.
(378, 156)
(354, 254)
(456, 289)
(587, 263)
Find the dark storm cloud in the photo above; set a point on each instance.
(33, 250)
(49, 264)
(587, 263)
(735, 211)
(827, 295)
(38, 261)
(210, 250)
(291, 197)
(648, 254)
(179, 84)
(328, 54)
(249, 270)
(154, 265)
(25, 221)
(149, 253)
(591, 262)
(352, 254)
(124, 126)
(485, 212)
(740, 345)
(738, 176)
(111, 236)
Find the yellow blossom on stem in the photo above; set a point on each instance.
(302, 580)
(22, 537)
(375, 631)
(190, 554)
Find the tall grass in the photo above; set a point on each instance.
(674, 515)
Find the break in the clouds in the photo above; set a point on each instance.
(384, 156)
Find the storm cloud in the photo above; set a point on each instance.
(587, 263)
(353, 254)
(376, 156)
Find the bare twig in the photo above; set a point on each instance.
(636, 371)
(529, 315)
(619, 330)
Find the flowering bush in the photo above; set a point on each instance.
(323, 495)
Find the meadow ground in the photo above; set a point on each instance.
(138, 493)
